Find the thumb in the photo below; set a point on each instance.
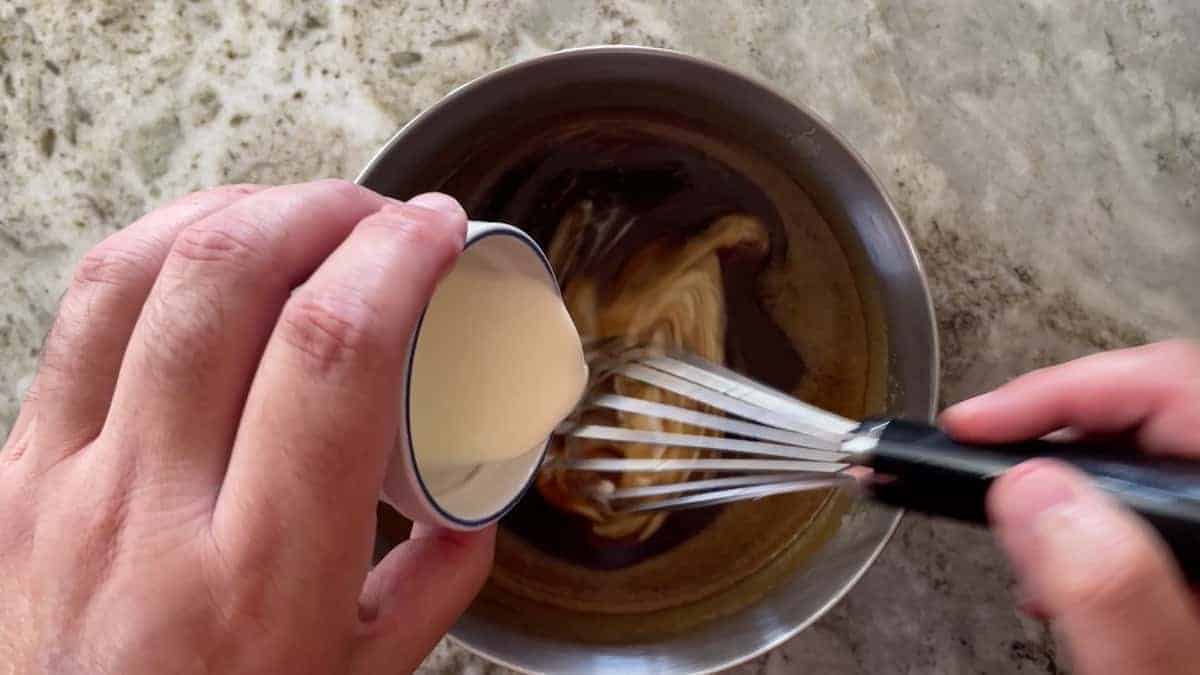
(416, 593)
(1099, 572)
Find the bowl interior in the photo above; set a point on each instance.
(483, 113)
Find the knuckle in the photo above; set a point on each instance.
(113, 265)
(331, 330)
(59, 351)
(107, 277)
(184, 328)
(431, 232)
(232, 240)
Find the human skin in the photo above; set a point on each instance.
(190, 485)
(1099, 573)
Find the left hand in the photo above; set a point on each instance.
(191, 483)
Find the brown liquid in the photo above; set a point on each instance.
(794, 321)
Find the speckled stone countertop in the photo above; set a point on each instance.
(1045, 155)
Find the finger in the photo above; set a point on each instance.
(1155, 389)
(321, 418)
(1031, 607)
(413, 597)
(82, 353)
(192, 354)
(1100, 573)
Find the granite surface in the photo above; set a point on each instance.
(1045, 154)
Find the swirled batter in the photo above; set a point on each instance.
(662, 231)
(668, 295)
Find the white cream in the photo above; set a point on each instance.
(498, 364)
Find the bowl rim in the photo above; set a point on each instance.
(934, 367)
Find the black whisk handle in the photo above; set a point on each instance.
(919, 467)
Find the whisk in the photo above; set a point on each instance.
(768, 443)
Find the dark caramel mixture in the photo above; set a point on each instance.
(617, 199)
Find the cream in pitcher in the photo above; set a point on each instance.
(497, 364)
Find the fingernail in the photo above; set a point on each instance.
(961, 410)
(1055, 527)
(1073, 532)
(436, 201)
(1018, 500)
(1032, 488)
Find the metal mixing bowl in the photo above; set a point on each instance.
(849, 197)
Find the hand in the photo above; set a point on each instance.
(1097, 570)
(191, 483)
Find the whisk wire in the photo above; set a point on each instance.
(608, 490)
(805, 417)
(702, 420)
(723, 496)
(624, 435)
(779, 445)
(720, 400)
(715, 464)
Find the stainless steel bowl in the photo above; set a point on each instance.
(849, 197)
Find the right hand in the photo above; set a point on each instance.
(1099, 572)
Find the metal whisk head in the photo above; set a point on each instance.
(756, 441)
(762, 442)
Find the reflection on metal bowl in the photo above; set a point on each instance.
(676, 142)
